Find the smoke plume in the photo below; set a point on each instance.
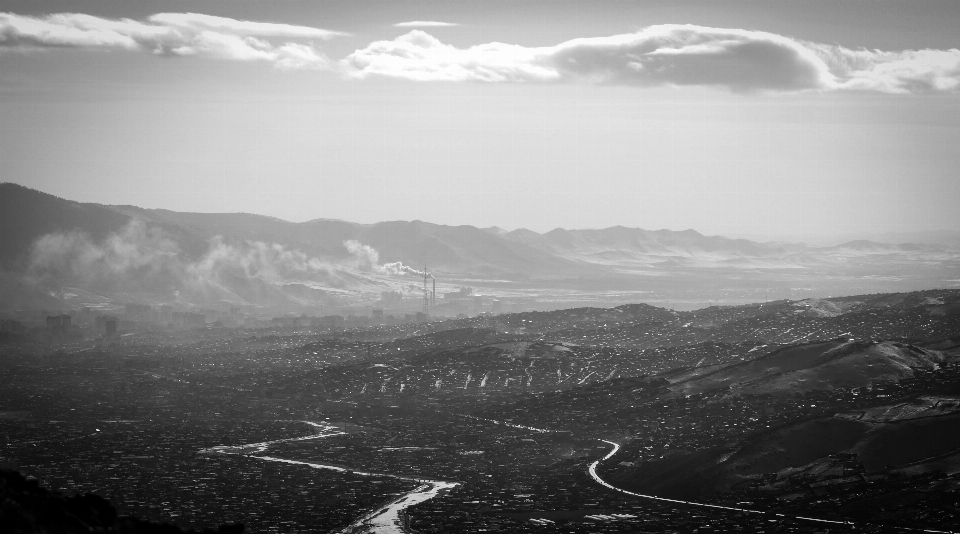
(75, 257)
(269, 262)
(141, 258)
(369, 258)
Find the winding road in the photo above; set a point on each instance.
(616, 448)
(592, 470)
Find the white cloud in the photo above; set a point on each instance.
(424, 24)
(173, 34)
(420, 56)
(906, 71)
(75, 30)
(734, 59)
(241, 27)
(738, 60)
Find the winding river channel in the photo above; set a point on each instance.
(387, 518)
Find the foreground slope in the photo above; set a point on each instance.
(28, 508)
(834, 451)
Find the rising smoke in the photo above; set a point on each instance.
(142, 258)
(369, 258)
(137, 250)
(269, 262)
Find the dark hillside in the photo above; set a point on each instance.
(27, 508)
(27, 214)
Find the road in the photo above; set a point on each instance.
(592, 470)
(616, 448)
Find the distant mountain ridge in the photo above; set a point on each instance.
(174, 243)
(643, 243)
(28, 214)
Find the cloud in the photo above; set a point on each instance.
(742, 61)
(738, 60)
(424, 24)
(420, 56)
(241, 27)
(903, 72)
(169, 34)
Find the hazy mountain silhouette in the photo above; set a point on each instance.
(50, 242)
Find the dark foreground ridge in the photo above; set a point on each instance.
(26, 507)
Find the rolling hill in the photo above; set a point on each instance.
(819, 365)
(791, 458)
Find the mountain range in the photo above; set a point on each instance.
(48, 243)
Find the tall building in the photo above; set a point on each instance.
(110, 325)
(462, 293)
(391, 297)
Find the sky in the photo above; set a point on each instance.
(759, 118)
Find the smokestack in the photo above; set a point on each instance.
(434, 294)
(426, 302)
